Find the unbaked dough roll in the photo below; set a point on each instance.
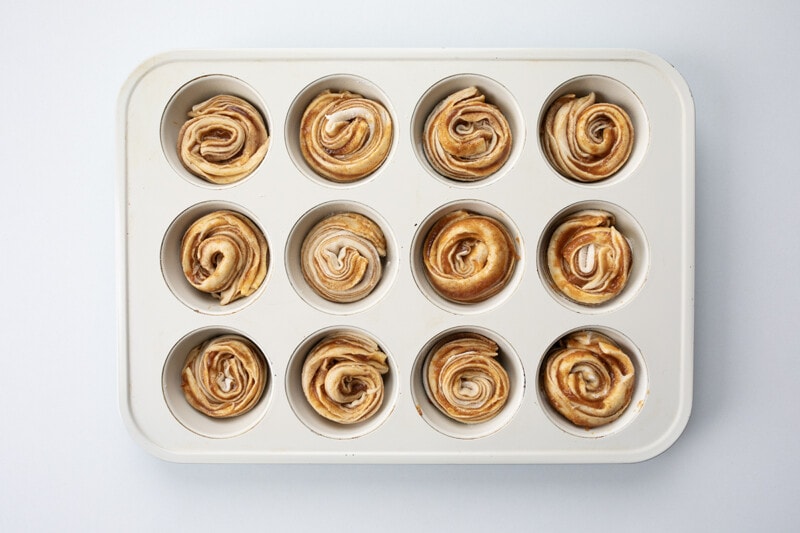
(342, 377)
(588, 259)
(587, 141)
(224, 140)
(345, 137)
(468, 257)
(224, 377)
(224, 254)
(466, 138)
(589, 379)
(341, 257)
(464, 379)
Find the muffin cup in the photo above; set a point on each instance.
(420, 393)
(496, 94)
(316, 422)
(192, 93)
(172, 270)
(641, 388)
(191, 418)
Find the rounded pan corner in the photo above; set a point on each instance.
(667, 439)
(139, 436)
(672, 73)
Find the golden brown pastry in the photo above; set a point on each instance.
(224, 254)
(588, 379)
(343, 377)
(588, 259)
(224, 377)
(465, 138)
(341, 257)
(468, 257)
(465, 380)
(224, 140)
(584, 140)
(345, 137)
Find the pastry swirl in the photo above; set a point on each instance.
(464, 379)
(588, 259)
(589, 379)
(224, 140)
(468, 257)
(224, 254)
(587, 141)
(342, 377)
(345, 137)
(224, 376)
(341, 257)
(466, 138)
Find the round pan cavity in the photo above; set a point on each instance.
(172, 269)
(314, 420)
(191, 418)
(633, 233)
(639, 394)
(294, 248)
(336, 83)
(196, 91)
(495, 94)
(419, 269)
(420, 393)
(606, 90)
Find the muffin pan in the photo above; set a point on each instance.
(162, 316)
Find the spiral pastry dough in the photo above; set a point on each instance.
(224, 377)
(224, 140)
(345, 137)
(342, 377)
(224, 254)
(468, 257)
(341, 257)
(465, 138)
(464, 380)
(588, 259)
(587, 141)
(589, 379)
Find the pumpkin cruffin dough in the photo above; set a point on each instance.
(466, 138)
(468, 257)
(345, 137)
(224, 140)
(342, 377)
(586, 140)
(224, 377)
(588, 379)
(224, 254)
(588, 259)
(464, 379)
(341, 257)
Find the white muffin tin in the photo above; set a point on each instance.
(161, 317)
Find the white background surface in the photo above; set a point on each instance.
(67, 462)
